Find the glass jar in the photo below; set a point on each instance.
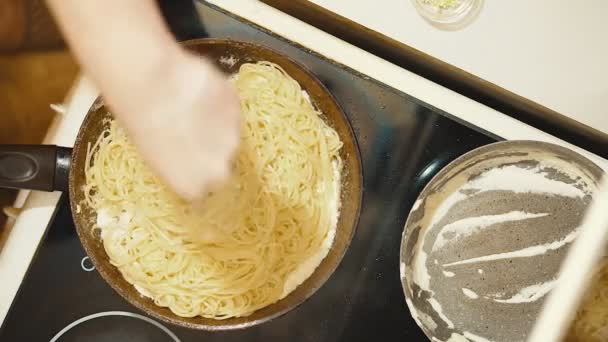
(448, 14)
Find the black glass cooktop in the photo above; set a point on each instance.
(403, 143)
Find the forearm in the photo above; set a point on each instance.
(123, 45)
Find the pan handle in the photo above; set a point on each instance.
(35, 167)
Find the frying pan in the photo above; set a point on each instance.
(479, 254)
(51, 168)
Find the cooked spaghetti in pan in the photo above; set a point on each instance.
(251, 241)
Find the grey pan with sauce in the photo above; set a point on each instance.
(482, 245)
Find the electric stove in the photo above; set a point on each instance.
(403, 143)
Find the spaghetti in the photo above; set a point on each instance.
(591, 323)
(249, 243)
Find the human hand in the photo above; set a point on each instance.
(188, 127)
(180, 112)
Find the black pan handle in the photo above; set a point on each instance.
(35, 167)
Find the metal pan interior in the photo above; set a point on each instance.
(484, 241)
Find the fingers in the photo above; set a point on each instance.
(190, 133)
(212, 121)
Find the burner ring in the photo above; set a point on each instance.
(114, 313)
(87, 268)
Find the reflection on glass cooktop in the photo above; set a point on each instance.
(403, 143)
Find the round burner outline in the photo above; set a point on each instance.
(114, 313)
(87, 269)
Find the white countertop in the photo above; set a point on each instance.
(553, 52)
(39, 207)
